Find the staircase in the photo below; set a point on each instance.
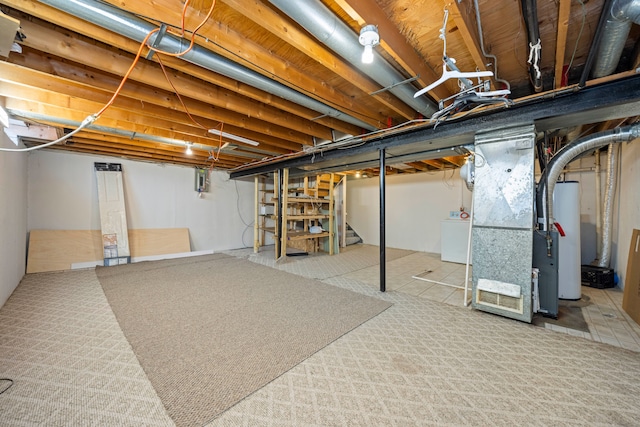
(352, 237)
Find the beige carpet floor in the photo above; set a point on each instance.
(418, 363)
(210, 330)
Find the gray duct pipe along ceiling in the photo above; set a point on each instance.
(129, 25)
(622, 15)
(318, 20)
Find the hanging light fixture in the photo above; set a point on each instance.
(189, 151)
(234, 137)
(369, 37)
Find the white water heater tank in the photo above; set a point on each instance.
(566, 213)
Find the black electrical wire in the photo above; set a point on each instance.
(7, 387)
(595, 44)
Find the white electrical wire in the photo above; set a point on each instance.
(86, 122)
(534, 57)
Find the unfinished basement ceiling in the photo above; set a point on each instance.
(288, 91)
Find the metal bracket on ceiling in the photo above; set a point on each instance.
(412, 79)
(322, 116)
(157, 40)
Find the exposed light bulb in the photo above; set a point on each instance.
(189, 151)
(367, 54)
(358, 174)
(369, 37)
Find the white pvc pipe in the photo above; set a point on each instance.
(466, 273)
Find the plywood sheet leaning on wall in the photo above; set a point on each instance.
(631, 296)
(54, 250)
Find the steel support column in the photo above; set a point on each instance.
(383, 264)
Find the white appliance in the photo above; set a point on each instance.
(454, 235)
(566, 213)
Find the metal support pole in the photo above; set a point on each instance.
(278, 192)
(383, 266)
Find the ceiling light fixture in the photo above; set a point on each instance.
(189, 151)
(369, 37)
(234, 137)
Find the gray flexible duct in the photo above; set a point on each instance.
(318, 20)
(614, 36)
(129, 25)
(607, 216)
(573, 150)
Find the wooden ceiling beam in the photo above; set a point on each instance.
(467, 26)
(368, 12)
(437, 164)
(18, 106)
(198, 157)
(239, 154)
(117, 118)
(457, 161)
(148, 147)
(68, 89)
(219, 36)
(418, 165)
(262, 15)
(564, 10)
(64, 20)
(238, 109)
(145, 96)
(74, 49)
(132, 155)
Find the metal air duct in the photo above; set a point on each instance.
(621, 16)
(318, 20)
(607, 219)
(569, 153)
(129, 25)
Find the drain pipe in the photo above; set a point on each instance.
(318, 20)
(530, 13)
(607, 220)
(129, 25)
(568, 154)
(620, 17)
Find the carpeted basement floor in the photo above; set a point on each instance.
(418, 363)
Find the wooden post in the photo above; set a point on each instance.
(277, 192)
(331, 212)
(256, 218)
(285, 201)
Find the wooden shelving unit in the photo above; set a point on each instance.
(298, 211)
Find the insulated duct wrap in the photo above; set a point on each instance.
(607, 214)
(323, 24)
(569, 153)
(614, 36)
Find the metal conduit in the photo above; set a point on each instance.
(569, 153)
(318, 20)
(129, 25)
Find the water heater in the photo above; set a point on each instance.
(566, 213)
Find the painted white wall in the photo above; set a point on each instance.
(415, 206)
(628, 206)
(417, 203)
(13, 218)
(63, 196)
